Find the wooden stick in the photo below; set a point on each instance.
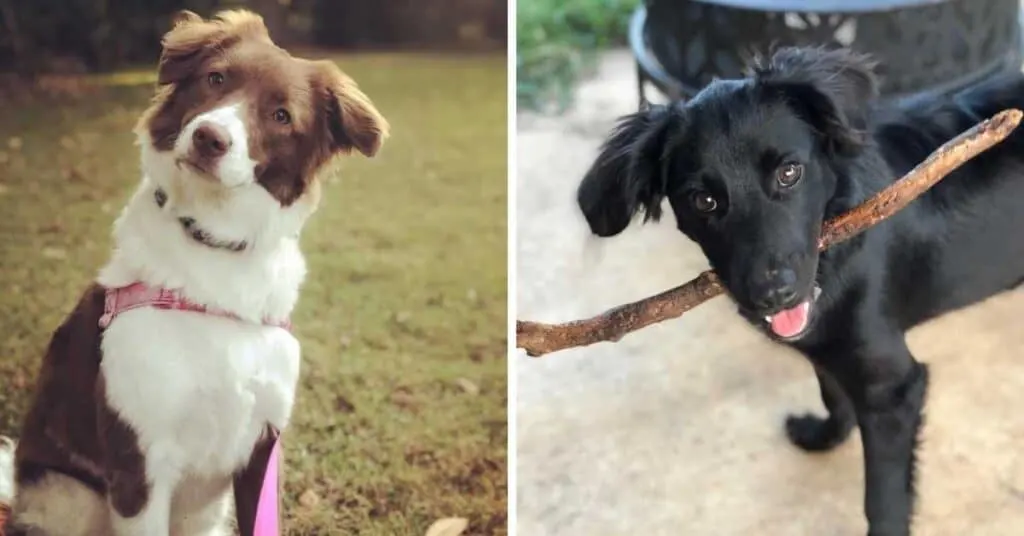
(539, 338)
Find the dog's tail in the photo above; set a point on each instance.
(6, 480)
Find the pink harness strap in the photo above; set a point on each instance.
(138, 295)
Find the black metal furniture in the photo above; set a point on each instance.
(922, 45)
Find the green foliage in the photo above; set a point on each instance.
(556, 41)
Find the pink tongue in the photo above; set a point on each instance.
(791, 322)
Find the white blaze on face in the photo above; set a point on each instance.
(234, 168)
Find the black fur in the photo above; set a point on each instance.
(956, 245)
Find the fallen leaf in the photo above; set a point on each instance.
(309, 499)
(55, 253)
(449, 526)
(404, 399)
(343, 405)
(54, 227)
(468, 386)
(14, 143)
(71, 174)
(403, 317)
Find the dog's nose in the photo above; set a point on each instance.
(777, 289)
(211, 140)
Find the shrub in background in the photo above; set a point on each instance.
(557, 41)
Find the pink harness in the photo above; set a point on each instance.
(137, 295)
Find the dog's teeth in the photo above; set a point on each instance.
(768, 319)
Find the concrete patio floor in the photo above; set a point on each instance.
(677, 429)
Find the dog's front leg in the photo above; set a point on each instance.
(140, 487)
(888, 396)
(813, 433)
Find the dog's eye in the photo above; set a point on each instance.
(282, 116)
(703, 202)
(215, 79)
(789, 174)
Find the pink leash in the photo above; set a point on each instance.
(267, 516)
(136, 295)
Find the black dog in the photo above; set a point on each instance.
(753, 167)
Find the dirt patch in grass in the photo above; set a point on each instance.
(401, 412)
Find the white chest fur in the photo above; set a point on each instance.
(198, 389)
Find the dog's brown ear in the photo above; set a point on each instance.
(183, 46)
(353, 122)
(191, 40)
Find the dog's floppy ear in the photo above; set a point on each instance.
(831, 89)
(627, 175)
(191, 40)
(353, 122)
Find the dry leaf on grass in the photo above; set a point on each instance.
(309, 499)
(55, 253)
(449, 526)
(468, 386)
(343, 405)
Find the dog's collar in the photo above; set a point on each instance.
(197, 233)
(137, 295)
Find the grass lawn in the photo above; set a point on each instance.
(401, 412)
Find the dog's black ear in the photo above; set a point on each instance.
(627, 175)
(831, 89)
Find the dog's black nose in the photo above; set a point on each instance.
(778, 288)
(210, 140)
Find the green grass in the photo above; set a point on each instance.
(556, 42)
(405, 301)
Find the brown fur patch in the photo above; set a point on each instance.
(70, 429)
(329, 113)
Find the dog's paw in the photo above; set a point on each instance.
(814, 434)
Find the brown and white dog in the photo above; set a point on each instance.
(141, 421)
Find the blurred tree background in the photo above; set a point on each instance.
(99, 35)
